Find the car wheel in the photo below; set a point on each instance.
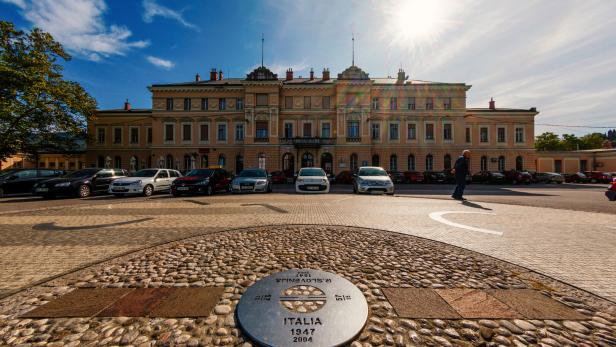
(84, 191)
(148, 190)
(269, 188)
(593, 181)
(209, 190)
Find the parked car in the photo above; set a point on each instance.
(611, 191)
(549, 177)
(516, 177)
(202, 181)
(413, 176)
(279, 177)
(491, 177)
(397, 176)
(344, 177)
(598, 176)
(434, 177)
(311, 180)
(577, 177)
(81, 183)
(21, 181)
(252, 181)
(372, 179)
(145, 182)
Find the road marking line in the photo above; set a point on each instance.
(438, 216)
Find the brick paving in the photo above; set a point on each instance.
(572, 246)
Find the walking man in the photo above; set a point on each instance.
(460, 169)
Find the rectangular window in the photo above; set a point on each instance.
(468, 135)
(288, 130)
(519, 135)
(326, 130)
(447, 132)
(483, 134)
(429, 103)
(261, 130)
(307, 102)
(325, 103)
(500, 134)
(353, 129)
(186, 132)
(134, 136)
(375, 131)
(204, 132)
(307, 129)
(288, 102)
(205, 104)
(239, 103)
(169, 130)
(375, 103)
(148, 135)
(558, 166)
(262, 99)
(100, 135)
(429, 131)
(187, 104)
(394, 131)
(222, 132)
(169, 104)
(411, 133)
(393, 103)
(222, 104)
(410, 103)
(583, 165)
(239, 131)
(117, 136)
(447, 103)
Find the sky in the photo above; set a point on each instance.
(558, 56)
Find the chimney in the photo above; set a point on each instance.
(325, 74)
(197, 77)
(492, 104)
(126, 105)
(401, 76)
(311, 74)
(220, 75)
(213, 75)
(289, 74)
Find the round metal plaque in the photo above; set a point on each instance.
(302, 307)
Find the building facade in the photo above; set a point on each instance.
(292, 122)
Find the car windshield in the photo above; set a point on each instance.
(497, 174)
(82, 173)
(200, 172)
(312, 172)
(581, 174)
(371, 171)
(7, 172)
(253, 173)
(145, 173)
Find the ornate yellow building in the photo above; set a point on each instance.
(335, 123)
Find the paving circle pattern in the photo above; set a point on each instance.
(381, 264)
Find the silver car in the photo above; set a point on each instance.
(252, 181)
(373, 180)
(145, 182)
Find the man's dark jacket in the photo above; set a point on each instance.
(461, 167)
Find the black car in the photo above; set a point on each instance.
(202, 181)
(434, 177)
(21, 181)
(492, 177)
(81, 183)
(397, 176)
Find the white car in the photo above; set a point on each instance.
(311, 180)
(372, 180)
(146, 182)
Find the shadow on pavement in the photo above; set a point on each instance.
(475, 205)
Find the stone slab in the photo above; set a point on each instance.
(534, 305)
(419, 303)
(80, 303)
(475, 304)
(137, 303)
(188, 302)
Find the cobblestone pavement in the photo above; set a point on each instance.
(572, 246)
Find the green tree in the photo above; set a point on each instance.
(548, 141)
(570, 142)
(36, 103)
(592, 141)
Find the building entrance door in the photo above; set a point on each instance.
(307, 160)
(327, 162)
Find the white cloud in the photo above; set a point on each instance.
(152, 9)
(163, 63)
(19, 3)
(80, 27)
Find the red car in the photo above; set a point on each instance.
(598, 176)
(414, 176)
(515, 177)
(344, 177)
(279, 177)
(611, 191)
(577, 177)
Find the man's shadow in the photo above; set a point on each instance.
(474, 205)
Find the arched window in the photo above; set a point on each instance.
(261, 160)
(501, 163)
(187, 162)
(327, 162)
(375, 160)
(169, 161)
(447, 161)
(393, 162)
(411, 163)
(519, 163)
(484, 163)
(307, 160)
(288, 164)
(429, 162)
(149, 161)
(117, 162)
(205, 161)
(222, 160)
(353, 162)
(239, 163)
(100, 161)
